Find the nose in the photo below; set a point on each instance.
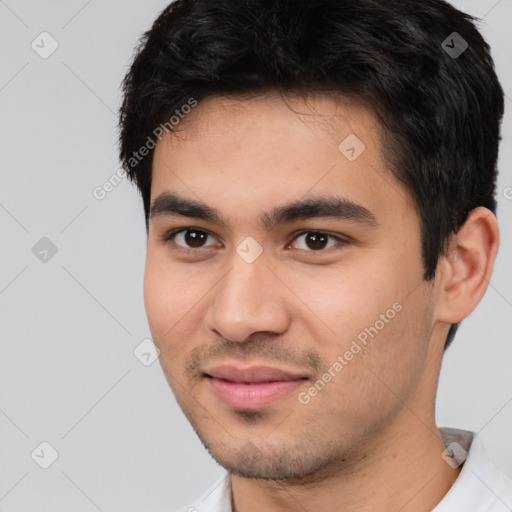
(250, 298)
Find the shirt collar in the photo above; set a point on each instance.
(480, 486)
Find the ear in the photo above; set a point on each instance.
(466, 268)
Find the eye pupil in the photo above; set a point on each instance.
(195, 238)
(316, 240)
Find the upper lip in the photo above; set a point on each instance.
(252, 374)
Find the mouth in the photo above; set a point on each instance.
(252, 388)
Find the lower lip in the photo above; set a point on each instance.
(252, 396)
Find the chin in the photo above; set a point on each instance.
(269, 462)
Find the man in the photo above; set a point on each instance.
(318, 182)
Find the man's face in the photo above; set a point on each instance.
(288, 350)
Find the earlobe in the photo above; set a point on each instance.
(467, 266)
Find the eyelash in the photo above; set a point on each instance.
(169, 238)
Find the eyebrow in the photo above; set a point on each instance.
(335, 207)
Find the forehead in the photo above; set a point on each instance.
(271, 112)
(245, 154)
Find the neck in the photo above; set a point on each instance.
(400, 468)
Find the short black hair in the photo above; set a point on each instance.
(439, 103)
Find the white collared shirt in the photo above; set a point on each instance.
(480, 486)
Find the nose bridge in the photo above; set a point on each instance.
(246, 300)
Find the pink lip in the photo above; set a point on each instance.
(254, 388)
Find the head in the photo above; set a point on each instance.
(338, 166)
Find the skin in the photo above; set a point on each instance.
(368, 440)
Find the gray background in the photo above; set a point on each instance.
(69, 326)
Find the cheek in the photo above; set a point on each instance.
(368, 316)
(170, 299)
(156, 297)
(394, 342)
(380, 367)
(345, 300)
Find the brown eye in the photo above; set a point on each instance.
(315, 241)
(188, 238)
